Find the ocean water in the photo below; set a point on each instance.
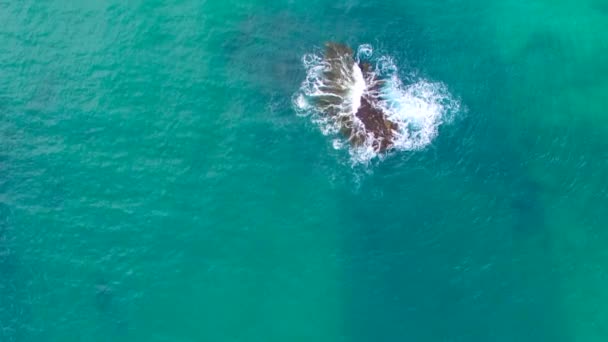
(158, 184)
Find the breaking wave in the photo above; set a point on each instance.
(359, 100)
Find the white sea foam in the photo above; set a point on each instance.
(357, 89)
(364, 51)
(418, 108)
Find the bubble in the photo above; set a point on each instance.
(364, 52)
(337, 144)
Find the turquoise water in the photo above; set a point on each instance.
(156, 183)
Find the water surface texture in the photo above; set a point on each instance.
(157, 182)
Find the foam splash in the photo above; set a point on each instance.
(339, 83)
(358, 88)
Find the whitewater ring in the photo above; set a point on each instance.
(361, 99)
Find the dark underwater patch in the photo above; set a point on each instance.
(601, 6)
(270, 65)
(527, 207)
